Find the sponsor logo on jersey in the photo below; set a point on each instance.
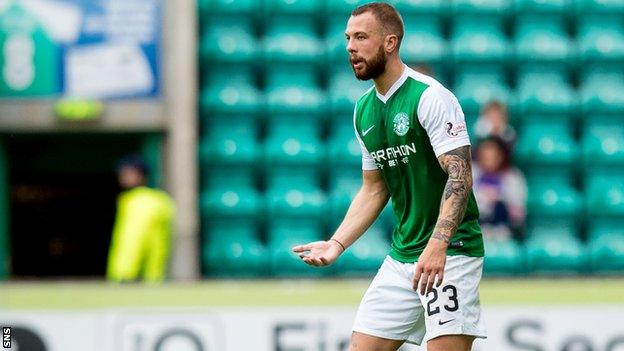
(401, 123)
(454, 129)
(392, 156)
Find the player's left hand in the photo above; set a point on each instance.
(430, 267)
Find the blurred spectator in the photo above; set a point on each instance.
(494, 121)
(142, 233)
(500, 189)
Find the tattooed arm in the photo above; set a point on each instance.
(430, 266)
(456, 164)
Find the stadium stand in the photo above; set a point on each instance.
(280, 162)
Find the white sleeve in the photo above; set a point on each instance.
(441, 116)
(368, 164)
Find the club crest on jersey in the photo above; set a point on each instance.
(401, 123)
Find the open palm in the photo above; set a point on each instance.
(318, 253)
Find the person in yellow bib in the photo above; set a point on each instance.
(141, 239)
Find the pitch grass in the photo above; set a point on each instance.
(240, 293)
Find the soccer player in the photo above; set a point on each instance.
(415, 150)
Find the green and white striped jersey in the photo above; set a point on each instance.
(402, 134)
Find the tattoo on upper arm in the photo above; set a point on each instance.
(457, 165)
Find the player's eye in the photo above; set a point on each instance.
(360, 37)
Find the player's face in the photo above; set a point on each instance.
(365, 46)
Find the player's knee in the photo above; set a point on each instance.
(451, 343)
(364, 342)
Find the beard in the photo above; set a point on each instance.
(373, 68)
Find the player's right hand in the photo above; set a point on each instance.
(318, 253)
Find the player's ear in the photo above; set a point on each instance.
(391, 43)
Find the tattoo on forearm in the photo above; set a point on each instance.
(446, 225)
(442, 237)
(456, 164)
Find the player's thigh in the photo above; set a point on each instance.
(390, 308)
(364, 342)
(451, 343)
(454, 308)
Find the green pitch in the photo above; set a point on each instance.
(78, 295)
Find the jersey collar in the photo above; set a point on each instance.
(399, 82)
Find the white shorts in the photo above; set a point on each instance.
(391, 309)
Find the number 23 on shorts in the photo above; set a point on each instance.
(433, 305)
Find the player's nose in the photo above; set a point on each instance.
(351, 46)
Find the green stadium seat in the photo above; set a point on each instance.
(283, 235)
(602, 7)
(343, 148)
(294, 7)
(335, 40)
(606, 248)
(599, 228)
(295, 195)
(503, 257)
(606, 253)
(230, 142)
(549, 229)
(344, 91)
(423, 41)
(601, 40)
(542, 40)
(343, 7)
(231, 92)
(230, 192)
(546, 143)
(605, 196)
(601, 93)
(538, 7)
(477, 40)
(295, 91)
(555, 254)
(553, 203)
(230, 200)
(293, 154)
(294, 142)
(419, 7)
(476, 87)
(405, 7)
(292, 40)
(481, 7)
(208, 8)
(565, 120)
(233, 250)
(544, 92)
(366, 255)
(344, 184)
(229, 40)
(603, 145)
